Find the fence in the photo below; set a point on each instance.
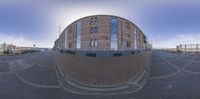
(188, 48)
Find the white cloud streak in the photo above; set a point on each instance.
(21, 41)
(17, 40)
(191, 38)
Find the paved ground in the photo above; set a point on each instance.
(32, 76)
(101, 72)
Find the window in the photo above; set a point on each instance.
(136, 38)
(106, 37)
(128, 44)
(70, 29)
(96, 21)
(70, 45)
(113, 33)
(128, 25)
(128, 35)
(107, 44)
(93, 43)
(91, 22)
(94, 29)
(91, 29)
(78, 35)
(94, 25)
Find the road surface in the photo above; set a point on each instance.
(33, 76)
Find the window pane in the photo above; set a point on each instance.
(78, 35)
(95, 43)
(114, 32)
(135, 38)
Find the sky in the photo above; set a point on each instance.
(166, 23)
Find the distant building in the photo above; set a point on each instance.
(7, 47)
(102, 33)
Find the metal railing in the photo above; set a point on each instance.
(188, 48)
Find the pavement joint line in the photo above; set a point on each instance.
(169, 75)
(179, 69)
(156, 58)
(188, 71)
(189, 62)
(41, 65)
(31, 64)
(67, 89)
(77, 82)
(173, 65)
(80, 85)
(30, 83)
(25, 56)
(182, 58)
(195, 61)
(99, 94)
(176, 56)
(5, 73)
(192, 72)
(65, 72)
(10, 69)
(165, 76)
(3, 61)
(95, 93)
(34, 84)
(158, 63)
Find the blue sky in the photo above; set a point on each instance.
(166, 23)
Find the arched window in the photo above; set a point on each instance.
(93, 43)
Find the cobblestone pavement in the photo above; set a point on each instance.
(33, 76)
(103, 72)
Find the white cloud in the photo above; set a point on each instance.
(63, 15)
(191, 38)
(17, 40)
(22, 41)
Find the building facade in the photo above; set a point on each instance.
(102, 33)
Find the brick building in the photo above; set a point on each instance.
(102, 33)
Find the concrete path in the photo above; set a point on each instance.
(33, 76)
